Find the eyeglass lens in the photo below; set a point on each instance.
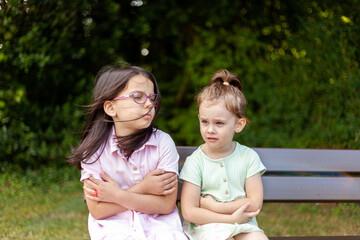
(141, 97)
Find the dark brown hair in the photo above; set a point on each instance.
(109, 82)
(225, 86)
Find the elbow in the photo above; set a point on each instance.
(258, 206)
(166, 206)
(255, 205)
(97, 216)
(186, 214)
(186, 217)
(167, 209)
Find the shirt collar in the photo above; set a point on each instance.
(113, 142)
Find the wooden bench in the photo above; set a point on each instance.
(306, 175)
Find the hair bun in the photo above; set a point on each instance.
(226, 78)
(226, 87)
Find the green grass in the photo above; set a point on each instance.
(310, 219)
(44, 204)
(48, 204)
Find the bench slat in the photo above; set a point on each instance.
(311, 189)
(310, 160)
(300, 160)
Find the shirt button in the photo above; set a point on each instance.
(226, 192)
(221, 165)
(225, 180)
(134, 168)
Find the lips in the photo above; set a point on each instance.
(212, 139)
(148, 116)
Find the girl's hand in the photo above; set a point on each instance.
(159, 182)
(241, 216)
(208, 202)
(106, 190)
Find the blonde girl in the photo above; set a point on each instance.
(222, 189)
(128, 167)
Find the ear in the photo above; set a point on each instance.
(240, 124)
(109, 109)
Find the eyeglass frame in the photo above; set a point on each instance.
(132, 96)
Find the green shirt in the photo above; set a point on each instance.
(222, 178)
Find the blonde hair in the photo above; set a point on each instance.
(225, 86)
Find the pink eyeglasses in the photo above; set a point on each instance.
(139, 97)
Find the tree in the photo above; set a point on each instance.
(298, 60)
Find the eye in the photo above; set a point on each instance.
(220, 123)
(204, 121)
(138, 96)
(153, 97)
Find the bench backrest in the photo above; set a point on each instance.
(305, 175)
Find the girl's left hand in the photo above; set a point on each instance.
(105, 189)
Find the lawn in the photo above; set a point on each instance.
(44, 204)
(48, 204)
(310, 219)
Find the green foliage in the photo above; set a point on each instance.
(302, 83)
(299, 62)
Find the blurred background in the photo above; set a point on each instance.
(299, 62)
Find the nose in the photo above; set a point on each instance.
(210, 129)
(148, 103)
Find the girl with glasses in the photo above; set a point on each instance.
(128, 167)
(222, 190)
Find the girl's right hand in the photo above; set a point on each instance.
(241, 216)
(106, 189)
(159, 182)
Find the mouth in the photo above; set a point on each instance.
(212, 139)
(148, 116)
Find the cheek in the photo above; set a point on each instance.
(152, 112)
(203, 131)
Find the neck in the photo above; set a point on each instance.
(218, 152)
(121, 131)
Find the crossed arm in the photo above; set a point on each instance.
(155, 194)
(203, 210)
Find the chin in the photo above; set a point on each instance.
(146, 125)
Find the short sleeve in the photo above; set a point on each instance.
(254, 164)
(91, 168)
(191, 170)
(169, 156)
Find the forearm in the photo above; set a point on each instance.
(230, 207)
(201, 216)
(192, 212)
(146, 203)
(150, 205)
(101, 210)
(140, 202)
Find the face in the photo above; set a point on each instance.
(218, 126)
(129, 116)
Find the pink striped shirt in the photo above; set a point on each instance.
(158, 152)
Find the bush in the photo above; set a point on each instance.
(299, 62)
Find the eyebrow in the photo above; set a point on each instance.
(216, 119)
(153, 92)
